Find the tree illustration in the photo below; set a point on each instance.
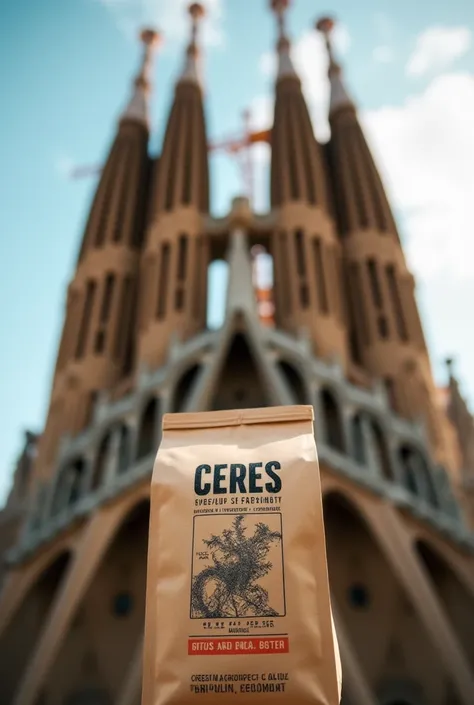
(229, 587)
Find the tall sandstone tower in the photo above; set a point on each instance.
(339, 330)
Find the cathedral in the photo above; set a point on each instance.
(338, 328)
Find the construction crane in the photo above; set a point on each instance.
(239, 147)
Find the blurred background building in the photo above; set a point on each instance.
(336, 325)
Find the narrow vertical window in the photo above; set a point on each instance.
(356, 298)
(374, 283)
(300, 255)
(163, 280)
(182, 256)
(86, 319)
(181, 272)
(198, 245)
(376, 291)
(390, 390)
(125, 310)
(320, 278)
(68, 328)
(396, 303)
(89, 407)
(104, 313)
(188, 163)
(337, 285)
(285, 284)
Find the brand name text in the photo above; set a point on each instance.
(237, 478)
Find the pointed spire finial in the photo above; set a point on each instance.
(191, 73)
(137, 108)
(339, 96)
(450, 366)
(325, 25)
(285, 64)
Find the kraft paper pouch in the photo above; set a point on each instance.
(237, 588)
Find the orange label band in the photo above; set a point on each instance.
(231, 647)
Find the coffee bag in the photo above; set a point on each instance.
(237, 590)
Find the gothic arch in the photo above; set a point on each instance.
(382, 625)
(68, 487)
(416, 476)
(109, 619)
(147, 429)
(124, 448)
(184, 388)
(332, 419)
(295, 381)
(100, 461)
(19, 639)
(453, 595)
(381, 451)
(358, 439)
(239, 384)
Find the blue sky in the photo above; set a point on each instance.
(65, 71)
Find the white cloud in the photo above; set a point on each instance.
(169, 16)
(437, 48)
(424, 149)
(383, 54)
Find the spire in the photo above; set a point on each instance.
(191, 66)
(285, 64)
(339, 97)
(137, 108)
(449, 362)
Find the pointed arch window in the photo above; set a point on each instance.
(181, 271)
(320, 275)
(147, 434)
(301, 267)
(123, 330)
(377, 298)
(85, 324)
(163, 280)
(396, 303)
(107, 298)
(334, 433)
(200, 292)
(285, 290)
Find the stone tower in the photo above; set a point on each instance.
(307, 252)
(339, 330)
(385, 331)
(97, 346)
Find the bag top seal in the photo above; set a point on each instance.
(240, 417)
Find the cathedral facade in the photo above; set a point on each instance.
(339, 329)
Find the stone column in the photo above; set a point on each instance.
(347, 414)
(89, 464)
(112, 460)
(372, 460)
